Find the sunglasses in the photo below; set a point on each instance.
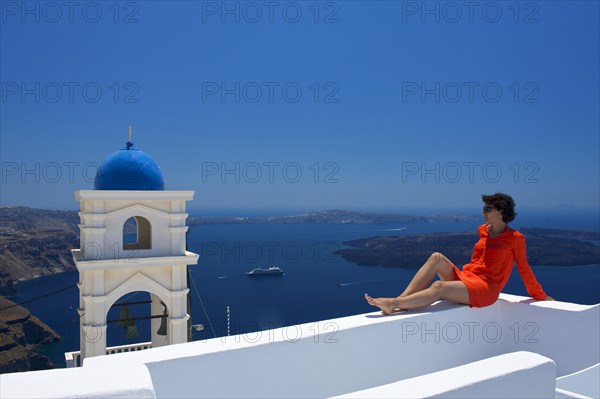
(488, 208)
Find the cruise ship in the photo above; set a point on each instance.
(271, 271)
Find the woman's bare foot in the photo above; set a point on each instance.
(385, 304)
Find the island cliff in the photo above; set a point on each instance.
(35, 242)
(548, 247)
(20, 335)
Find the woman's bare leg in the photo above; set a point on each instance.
(454, 291)
(436, 264)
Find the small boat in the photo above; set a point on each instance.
(271, 271)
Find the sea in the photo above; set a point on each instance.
(317, 285)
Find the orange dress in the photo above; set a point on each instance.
(491, 264)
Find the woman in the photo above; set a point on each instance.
(480, 281)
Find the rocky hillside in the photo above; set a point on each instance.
(35, 242)
(20, 335)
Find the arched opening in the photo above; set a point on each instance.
(137, 233)
(125, 320)
(137, 317)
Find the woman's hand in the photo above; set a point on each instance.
(549, 298)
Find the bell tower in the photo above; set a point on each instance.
(129, 186)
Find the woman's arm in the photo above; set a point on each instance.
(531, 284)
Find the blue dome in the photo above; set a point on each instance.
(129, 169)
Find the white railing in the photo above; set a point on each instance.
(73, 359)
(129, 348)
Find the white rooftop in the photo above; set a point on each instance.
(514, 348)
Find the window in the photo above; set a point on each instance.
(137, 233)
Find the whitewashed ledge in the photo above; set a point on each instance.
(506, 376)
(345, 356)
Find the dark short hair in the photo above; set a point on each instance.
(504, 203)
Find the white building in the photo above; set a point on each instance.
(129, 186)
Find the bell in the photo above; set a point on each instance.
(162, 330)
(132, 332)
(124, 315)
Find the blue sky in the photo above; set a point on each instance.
(305, 105)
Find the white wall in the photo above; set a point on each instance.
(504, 376)
(340, 356)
